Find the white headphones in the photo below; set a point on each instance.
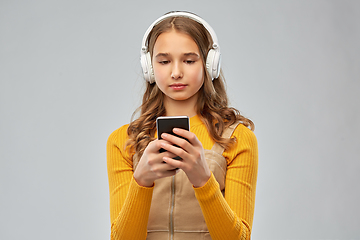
(213, 58)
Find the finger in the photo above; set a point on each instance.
(163, 170)
(191, 137)
(168, 154)
(165, 153)
(166, 173)
(182, 143)
(173, 163)
(163, 166)
(177, 151)
(155, 145)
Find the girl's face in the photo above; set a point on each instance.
(178, 67)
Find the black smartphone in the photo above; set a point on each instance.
(167, 124)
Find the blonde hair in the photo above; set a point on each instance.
(212, 104)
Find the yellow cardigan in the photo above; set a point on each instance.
(227, 217)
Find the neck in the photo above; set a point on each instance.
(181, 108)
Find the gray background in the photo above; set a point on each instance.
(70, 75)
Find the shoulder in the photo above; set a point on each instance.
(119, 136)
(244, 134)
(245, 145)
(116, 146)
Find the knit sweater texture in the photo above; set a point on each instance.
(227, 217)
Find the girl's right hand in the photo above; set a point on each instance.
(151, 165)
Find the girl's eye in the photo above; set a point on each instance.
(164, 62)
(189, 61)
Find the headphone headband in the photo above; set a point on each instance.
(180, 14)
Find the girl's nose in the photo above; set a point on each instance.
(176, 72)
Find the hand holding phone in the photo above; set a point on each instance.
(167, 124)
(193, 161)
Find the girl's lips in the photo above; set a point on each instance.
(178, 86)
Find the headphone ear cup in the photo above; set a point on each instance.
(146, 66)
(213, 60)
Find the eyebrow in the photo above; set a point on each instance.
(192, 54)
(185, 54)
(162, 55)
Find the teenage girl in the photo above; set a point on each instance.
(210, 193)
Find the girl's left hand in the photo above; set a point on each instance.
(193, 161)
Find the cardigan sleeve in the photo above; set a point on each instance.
(129, 202)
(231, 217)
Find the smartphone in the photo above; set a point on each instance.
(167, 124)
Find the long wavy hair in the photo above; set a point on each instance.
(212, 104)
